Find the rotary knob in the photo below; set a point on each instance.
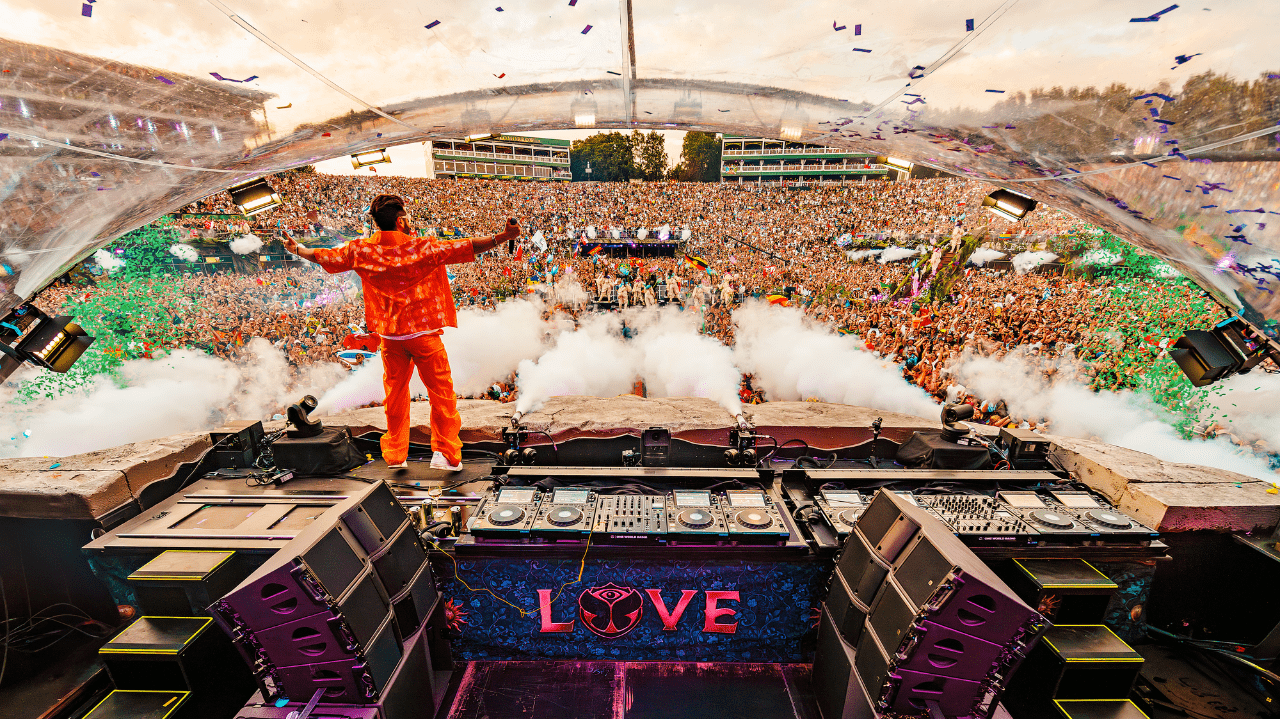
(850, 516)
(505, 514)
(695, 518)
(753, 519)
(564, 516)
(1112, 520)
(1050, 518)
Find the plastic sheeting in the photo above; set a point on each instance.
(1156, 123)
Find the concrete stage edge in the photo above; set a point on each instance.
(1171, 497)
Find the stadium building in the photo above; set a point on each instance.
(504, 157)
(765, 161)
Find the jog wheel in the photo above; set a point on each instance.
(1050, 518)
(850, 516)
(505, 514)
(695, 518)
(753, 519)
(1107, 519)
(564, 516)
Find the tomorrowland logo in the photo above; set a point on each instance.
(610, 611)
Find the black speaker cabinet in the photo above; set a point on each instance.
(942, 626)
(836, 685)
(848, 613)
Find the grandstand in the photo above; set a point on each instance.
(764, 161)
(503, 157)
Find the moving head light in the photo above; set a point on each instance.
(1231, 347)
(29, 335)
(1009, 205)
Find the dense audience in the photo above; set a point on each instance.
(799, 256)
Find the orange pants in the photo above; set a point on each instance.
(399, 357)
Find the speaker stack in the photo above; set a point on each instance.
(337, 608)
(915, 624)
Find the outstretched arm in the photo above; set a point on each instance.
(510, 232)
(305, 253)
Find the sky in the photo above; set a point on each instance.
(411, 160)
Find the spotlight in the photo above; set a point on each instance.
(1231, 347)
(899, 164)
(254, 196)
(792, 124)
(370, 157)
(299, 416)
(1009, 205)
(583, 110)
(29, 335)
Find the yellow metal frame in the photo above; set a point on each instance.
(185, 642)
(1070, 586)
(1122, 660)
(1067, 714)
(179, 695)
(175, 578)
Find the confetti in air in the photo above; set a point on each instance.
(433, 24)
(1155, 17)
(586, 30)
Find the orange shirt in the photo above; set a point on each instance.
(406, 290)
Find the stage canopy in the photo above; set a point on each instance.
(1156, 122)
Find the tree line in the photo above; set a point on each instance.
(617, 157)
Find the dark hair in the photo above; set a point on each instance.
(385, 209)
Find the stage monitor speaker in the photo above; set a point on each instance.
(838, 689)
(375, 520)
(414, 605)
(848, 613)
(861, 568)
(399, 561)
(355, 679)
(942, 625)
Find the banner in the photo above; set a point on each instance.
(632, 610)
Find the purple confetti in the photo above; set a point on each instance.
(1165, 122)
(4, 136)
(1166, 98)
(859, 49)
(1001, 92)
(164, 79)
(95, 174)
(1207, 207)
(1149, 164)
(835, 27)
(499, 9)
(86, 10)
(611, 72)
(857, 29)
(1271, 76)
(1185, 58)
(216, 76)
(433, 24)
(572, 3)
(1156, 17)
(1171, 177)
(586, 30)
(914, 73)
(968, 26)
(1260, 211)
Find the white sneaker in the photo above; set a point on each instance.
(402, 465)
(439, 462)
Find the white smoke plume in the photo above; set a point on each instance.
(244, 244)
(183, 252)
(983, 255)
(1124, 419)
(107, 261)
(794, 358)
(593, 361)
(678, 361)
(1024, 262)
(895, 253)
(182, 392)
(1100, 257)
(860, 255)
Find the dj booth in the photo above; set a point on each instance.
(376, 593)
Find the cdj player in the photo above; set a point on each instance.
(753, 517)
(694, 515)
(508, 514)
(841, 507)
(569, 514)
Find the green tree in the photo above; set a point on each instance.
(649, 152)
(699, 158)
(609, 154)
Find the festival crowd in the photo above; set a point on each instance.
(799, 254)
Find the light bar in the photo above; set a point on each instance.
(370, 157)
(1008, 205)
(254, 196)
(898, 163)
(55, 343)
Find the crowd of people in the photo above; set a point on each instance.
(781, 246)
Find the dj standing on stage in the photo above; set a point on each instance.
(408, 303)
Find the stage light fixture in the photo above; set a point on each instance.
(254, 197)
(1009, 205)
(583, 110)
(29, 335)
(1231, 347)
(899, 164)
(370, 157)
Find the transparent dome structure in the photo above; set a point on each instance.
(1156, 123)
